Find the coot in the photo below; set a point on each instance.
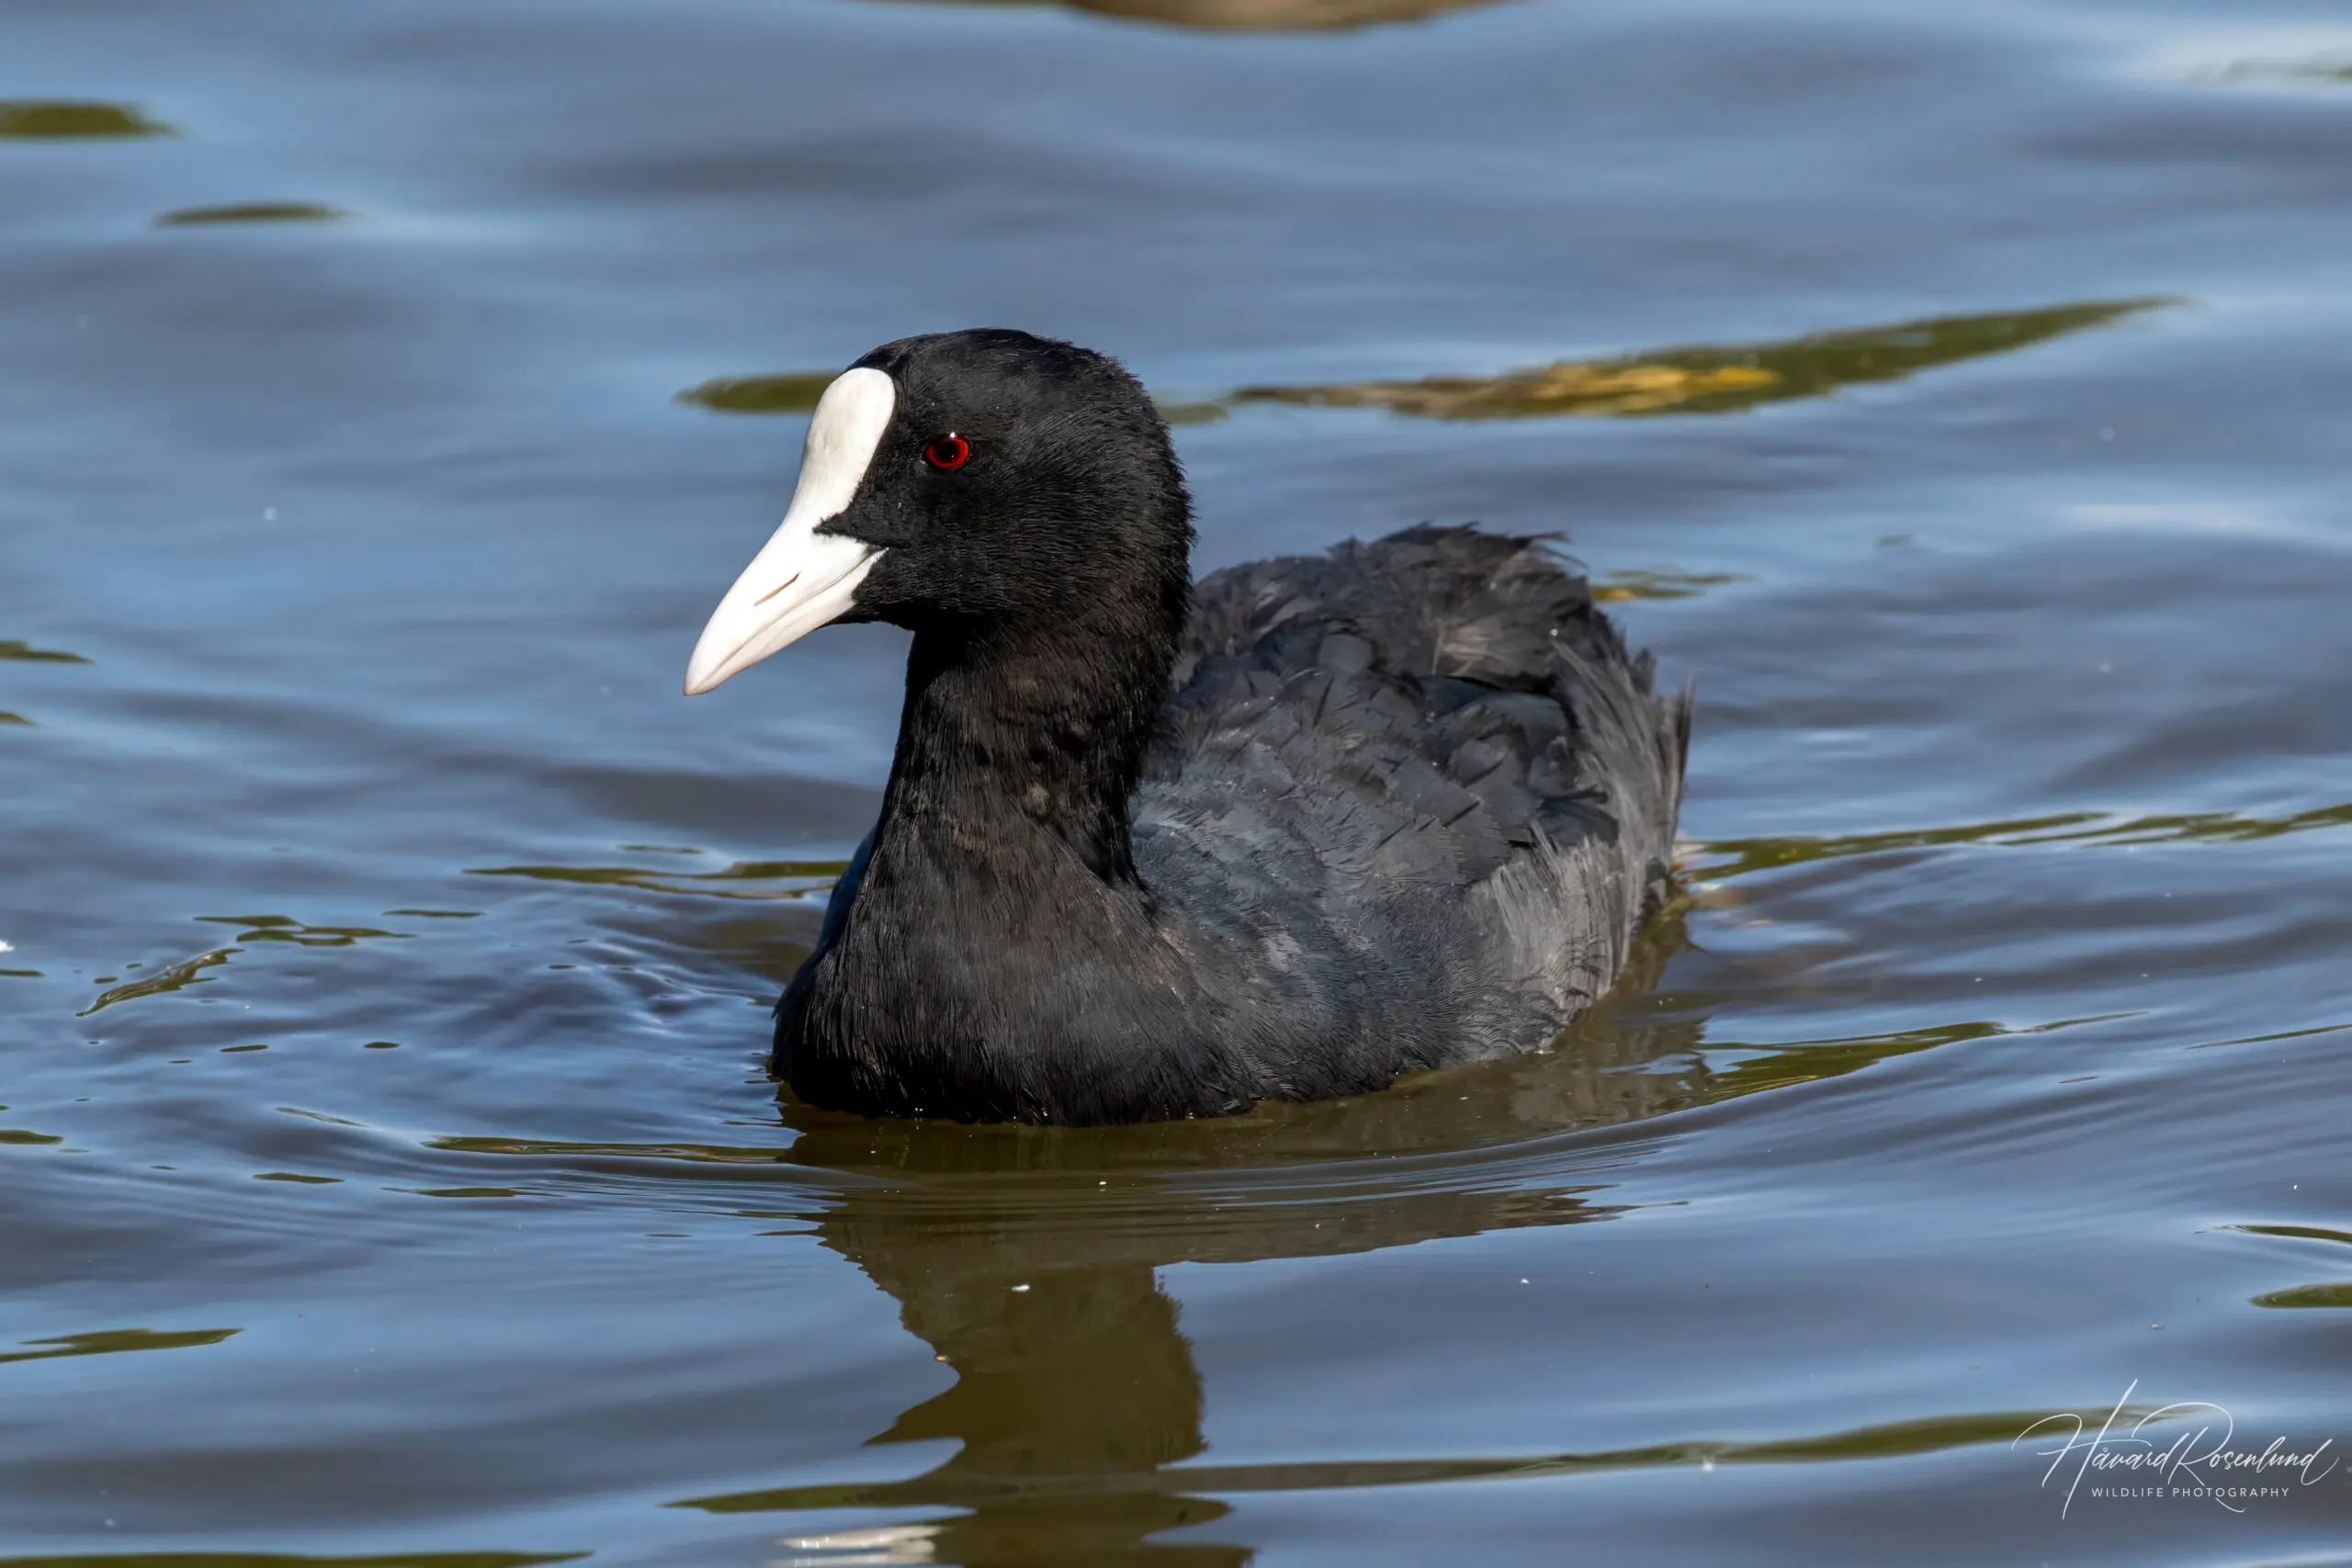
(1153, 850)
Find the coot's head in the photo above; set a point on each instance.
(974, 482)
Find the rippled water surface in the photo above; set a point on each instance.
(387, 392)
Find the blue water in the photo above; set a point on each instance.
(1957, 397)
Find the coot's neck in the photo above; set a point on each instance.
(1015, 735)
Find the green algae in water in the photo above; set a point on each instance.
(14, 649)
(67, 119)
(1711, 378)
(795, 392)
(2298, 1233)
(111, 1340)
(164, 981)
(2337, 1295)
(252, 213)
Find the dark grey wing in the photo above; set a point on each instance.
(1454, 601)
(1439, 740)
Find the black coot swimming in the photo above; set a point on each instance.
(1153, 850)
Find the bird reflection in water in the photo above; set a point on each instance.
(1028, 1259)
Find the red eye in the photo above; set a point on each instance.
(948, 452)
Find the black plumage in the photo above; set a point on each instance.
(1153, 850)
